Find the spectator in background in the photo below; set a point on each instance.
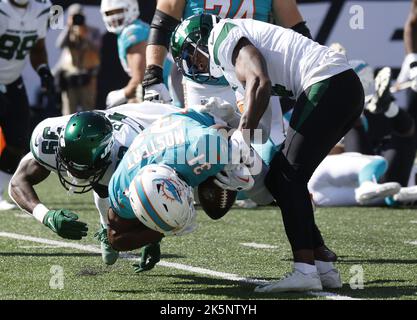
(79, 61)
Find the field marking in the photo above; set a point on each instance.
(412, 242)
(258, 245)
(39, 247)
(413, 221)
(178, 266)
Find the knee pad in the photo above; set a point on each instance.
(10, 159)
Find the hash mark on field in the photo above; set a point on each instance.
(412, 242)
(258, 245)
(413, 221)
(178, 266)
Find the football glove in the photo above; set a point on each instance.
(115, 98)
(47, 80)
(153, 86)
(149, 255)
(235, 178)
(64, 223)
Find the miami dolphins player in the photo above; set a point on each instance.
(83, 150)
(122, 18)
(23, 27)
(153, 182)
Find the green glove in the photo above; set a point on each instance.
(149, 257)
(65, 224)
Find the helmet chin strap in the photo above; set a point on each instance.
(74, 182)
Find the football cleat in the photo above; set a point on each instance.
(108, 254)
(331, 279)
(6, 205)
(369, 190)
(407, 194)
(294, 281)
(246, 204)
(382, 98)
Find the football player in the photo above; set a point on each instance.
(83, 149)
(122, 18)
(168, 15)
(23, 27)
(150, 191)
(261, 59)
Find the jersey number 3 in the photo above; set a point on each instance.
(11, 45)
(222, 8)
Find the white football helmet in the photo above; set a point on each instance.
(162, 201)
(127, 12)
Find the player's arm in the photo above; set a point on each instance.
(129, 234)
(410, 30)
(22, 192)
(287, 14)
(251, 71)
(167, 16)
(39, 61)
(136, 60)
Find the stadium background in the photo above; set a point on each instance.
(329, 21)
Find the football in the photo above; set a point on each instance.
(215, 201)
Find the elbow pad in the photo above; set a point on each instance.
(162, 27)
(302, 29)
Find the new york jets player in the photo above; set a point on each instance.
(122, 18)
(23, 26)
(84, 150)
(260, 59)
(154, 179)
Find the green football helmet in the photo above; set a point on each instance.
(188, 38)
(84, 150)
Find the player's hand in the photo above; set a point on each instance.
(150, 255)
(153, 86)
(47, 80)
(115, 98)
(64, 223)
(235, 178)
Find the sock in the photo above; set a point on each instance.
(324, 267)
(102, 205)
(4, 182)
(305, 267)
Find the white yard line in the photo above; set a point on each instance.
(258, 245)
(413, 221)
(39, 247)
(412, 242)
(162, 263)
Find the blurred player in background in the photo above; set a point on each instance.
(84, 149)
(78, 63)
(122, 18)
(23, 27)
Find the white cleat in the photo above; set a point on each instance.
(6, 205)
(295, 281)
(370, 190)
(408, 194)
(331, 279)
(246, 204)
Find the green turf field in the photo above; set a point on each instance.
(375, 239)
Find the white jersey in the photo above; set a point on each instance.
(20, 29)
(294, 62)
(128, 121)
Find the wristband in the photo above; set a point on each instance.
(39, 212)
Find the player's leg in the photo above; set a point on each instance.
(15, 126)
(321, 117)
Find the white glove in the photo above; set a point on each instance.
(115, 98)
(409, 71)
(235, 178)
(219, 108)
(240, 150)
(157, 93)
